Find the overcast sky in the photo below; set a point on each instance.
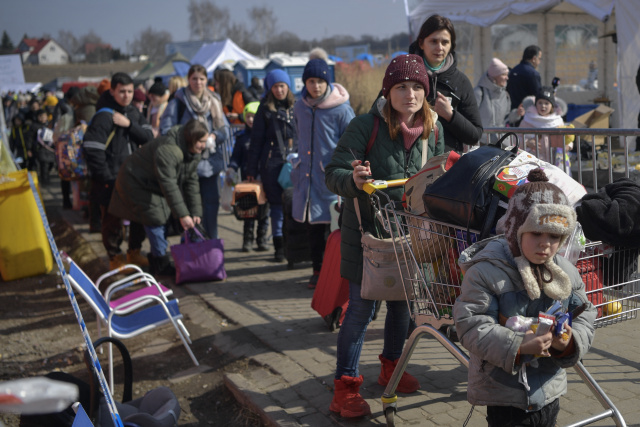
(119, 21)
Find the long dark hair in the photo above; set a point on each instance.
(194, 130)
(423, 116)
(226, 80)
(432, 24)
(270, 100)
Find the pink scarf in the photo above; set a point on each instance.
(410, 135)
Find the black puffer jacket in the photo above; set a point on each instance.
(104, 161)
(465, 126)
(611, 215)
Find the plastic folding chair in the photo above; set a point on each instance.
(141, 314)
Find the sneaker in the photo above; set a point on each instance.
(117, 261)
(135, 257)
(313, 280)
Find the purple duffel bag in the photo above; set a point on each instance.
(199, 259)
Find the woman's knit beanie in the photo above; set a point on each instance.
(547, 93)
(316, 68)
(157, 89)
(497, 68)
(539, 207)
(276, 76)
(404, 68)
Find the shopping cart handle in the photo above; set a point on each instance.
(379, 184)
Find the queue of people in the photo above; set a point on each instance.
(159, 158)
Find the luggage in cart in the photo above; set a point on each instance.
(430, 254)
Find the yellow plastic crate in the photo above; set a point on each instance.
(24, 248)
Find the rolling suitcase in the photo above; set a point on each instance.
(331, 296)
(296, 235)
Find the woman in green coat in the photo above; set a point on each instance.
(404, 121)
(160, 180)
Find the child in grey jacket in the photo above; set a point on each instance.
(520, 274)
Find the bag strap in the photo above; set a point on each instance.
(283, 149)
(498, 143)
(113, 132)
(491, 215)
(425, 147)
(195, 230)
(374, 134)
(372, 139)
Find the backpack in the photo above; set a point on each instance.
(72, 165)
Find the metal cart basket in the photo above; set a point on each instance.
(428, 261)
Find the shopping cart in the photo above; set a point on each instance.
(427, 255)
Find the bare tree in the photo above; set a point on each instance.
(207, 21)
(68, 41)
(264, 25)
(90, 37)
(151, 42)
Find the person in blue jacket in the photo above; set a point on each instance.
(273, 137)
(321, 116)
(196, 101)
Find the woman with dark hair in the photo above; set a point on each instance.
(196, 101)
(406, 127)
(452, 96)
(273, 137)
(233, 95)
(159, 180)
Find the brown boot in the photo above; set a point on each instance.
(117, 261)
(347, 400)
(408, 383)
(135, 257)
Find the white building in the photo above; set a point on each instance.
(42, 52)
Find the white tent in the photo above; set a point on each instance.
(213, 54)
(625, 21)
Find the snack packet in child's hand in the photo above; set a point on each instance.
(544, 325)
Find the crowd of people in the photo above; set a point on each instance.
(155, 158)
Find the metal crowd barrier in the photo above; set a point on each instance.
(610, 158)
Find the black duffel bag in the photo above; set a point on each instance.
(464, 195)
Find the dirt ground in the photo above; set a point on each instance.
(40, 334)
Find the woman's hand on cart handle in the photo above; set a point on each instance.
(250, 178)
(373, 186)
(361, 173)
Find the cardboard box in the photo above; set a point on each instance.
(598, 118)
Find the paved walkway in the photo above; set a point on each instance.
(294, 352)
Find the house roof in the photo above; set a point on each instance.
(33, 45)
(40, 45)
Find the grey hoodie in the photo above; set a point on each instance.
(492, 291)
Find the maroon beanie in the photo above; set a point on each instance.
(405, 68)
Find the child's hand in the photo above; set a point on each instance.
(561, 341)
(534, 344)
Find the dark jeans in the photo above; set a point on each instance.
(508, 416)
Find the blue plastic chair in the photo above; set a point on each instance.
(141, 314)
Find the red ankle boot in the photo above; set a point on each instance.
(408, 383)
(346, 398)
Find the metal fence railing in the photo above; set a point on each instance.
(607, 159)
